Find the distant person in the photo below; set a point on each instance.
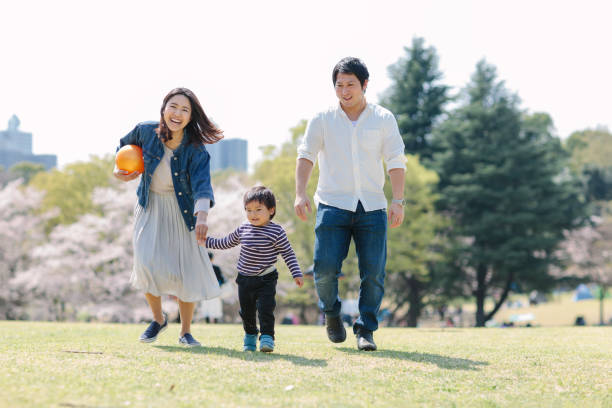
(212, 309)
(351, 142)
(174, 196)
(261, 241)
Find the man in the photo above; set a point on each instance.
(351, 142)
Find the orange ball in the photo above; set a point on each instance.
(129, 158)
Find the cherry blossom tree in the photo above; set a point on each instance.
(589, 251)
(20, 231)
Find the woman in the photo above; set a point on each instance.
(174, 196)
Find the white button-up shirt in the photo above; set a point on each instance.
(351, 156)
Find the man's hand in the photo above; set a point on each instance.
(396, 215)
(201, 228)
(302, 203)
(299, 281)
(125, 175)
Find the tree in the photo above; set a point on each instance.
(276, 170)
(416, 97)
(26, 170)
(82, 269)
(589, 250)
(412, 247)
(502, 180)
(20, 231)
(591, 159)
(70, 189)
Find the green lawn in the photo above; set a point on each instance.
(102, 365)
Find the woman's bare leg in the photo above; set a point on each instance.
(156, 307)
(186, 310)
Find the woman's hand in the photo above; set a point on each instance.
(201, 228)
(125, 175)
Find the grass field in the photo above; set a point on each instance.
(102, 365)
(560, 310)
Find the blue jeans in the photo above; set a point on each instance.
(333, 232)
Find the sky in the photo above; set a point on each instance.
(81, 74)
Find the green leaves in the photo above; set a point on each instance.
(501, 178)
(70, 189)
(415, 96)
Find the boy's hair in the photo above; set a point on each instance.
(351, 65)
(262, 195)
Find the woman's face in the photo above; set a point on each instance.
(177, 113)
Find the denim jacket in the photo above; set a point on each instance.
(190, 169)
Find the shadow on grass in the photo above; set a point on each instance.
(247, 356)
(450, 363)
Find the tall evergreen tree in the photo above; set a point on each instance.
(502, 180)
(416, 97)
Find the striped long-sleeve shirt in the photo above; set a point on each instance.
(259, 248)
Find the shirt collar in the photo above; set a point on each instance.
(366, 112)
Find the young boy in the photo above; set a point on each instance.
(261, 242)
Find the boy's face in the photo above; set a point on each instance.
(257, 213)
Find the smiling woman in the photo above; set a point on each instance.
(174, 197)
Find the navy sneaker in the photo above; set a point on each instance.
(150, 335)
(250, 342)
(188, 341)
(266, 343)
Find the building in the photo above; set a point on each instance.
(16, 146)
(228, 153)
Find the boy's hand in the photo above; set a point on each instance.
(299, 281)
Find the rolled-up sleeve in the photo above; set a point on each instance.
(313, 140)
(393, 146)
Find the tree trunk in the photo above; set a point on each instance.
(602, 295)
(303, 319)
(415, 302)
(502, 298)
(480, 293)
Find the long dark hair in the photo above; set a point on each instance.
(200, 130)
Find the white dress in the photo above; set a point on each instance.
(167, 257)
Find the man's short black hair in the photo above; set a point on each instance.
(351, 65)
(262, 195)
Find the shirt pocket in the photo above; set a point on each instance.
(371, 140)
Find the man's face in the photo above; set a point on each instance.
(349, 90)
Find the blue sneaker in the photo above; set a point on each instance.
(250, 342)
(150, 335)
(187, 340)
(266, 343)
